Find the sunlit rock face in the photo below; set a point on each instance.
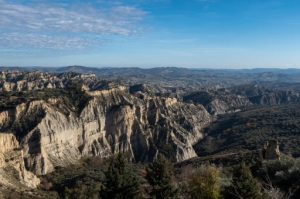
(113, 121)
(11, 156)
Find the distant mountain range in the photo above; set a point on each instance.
(85, 69)
(184, 78)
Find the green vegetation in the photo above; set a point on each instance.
(243, 184)
(205, 183)
(9, 100)
(159, 175)
(96, 178)
(281, 176)
(72, 97)
(81, 180)
(249, 130)
(120, 182)
(92, 177)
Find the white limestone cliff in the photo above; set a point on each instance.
(112, 121)
(11, 155)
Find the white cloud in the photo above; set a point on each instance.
(77, 19)
(49, 25)
(43, 41)
(83, 18)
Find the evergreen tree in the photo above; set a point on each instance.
(243, 186)
(120, 182)
(159, 176)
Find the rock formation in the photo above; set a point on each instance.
(113, 120)
(36, 80)
(130, 119)
(271, 150)
(11, 158)
(230, 104)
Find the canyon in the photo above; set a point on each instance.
(50, 120)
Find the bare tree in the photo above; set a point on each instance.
(276, 193)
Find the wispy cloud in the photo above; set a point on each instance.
(178, 41)
(43, 41)
(64, 26)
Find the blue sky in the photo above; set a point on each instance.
(151, 33)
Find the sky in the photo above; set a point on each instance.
(151, 33)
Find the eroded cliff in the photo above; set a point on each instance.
(12, 168)
(138, 125)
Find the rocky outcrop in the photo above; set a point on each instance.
(218, 102)
(11, 156)
(276, 98)
(36, 80)
(230, 104)
(234, 99)
(259, 95)
(138, 125)
(271, 150)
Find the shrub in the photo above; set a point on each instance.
(204, 184)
